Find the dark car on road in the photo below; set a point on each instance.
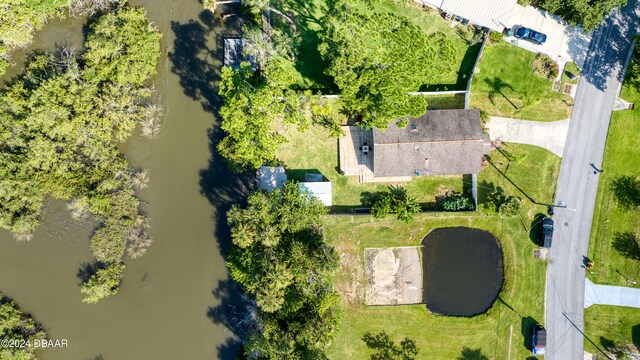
(539, 340)
(546, 232)
(530, 35)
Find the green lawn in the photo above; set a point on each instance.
(507, 86)
(309, 67)
(441, 337)
(572, 68)
(438, 102)
(622, 157)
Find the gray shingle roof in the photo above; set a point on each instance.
(440, 142)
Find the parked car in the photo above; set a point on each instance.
(539, 340)
(530, 35)
(546, 232)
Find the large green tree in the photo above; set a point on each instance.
(17, 326)
(280, 258)
(19, 20)
(257, 107)
(377, 58)
(59, 128)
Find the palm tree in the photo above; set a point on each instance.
(138, 243)
(135, 251)
(140, 179)
(151, 123)
(23, 235)
(79, 209)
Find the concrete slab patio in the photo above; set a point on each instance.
(550, 135)
(394, 276)
(610, 295)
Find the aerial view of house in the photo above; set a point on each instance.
(319, 179)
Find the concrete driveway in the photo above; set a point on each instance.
(550, 135)
(564, 43)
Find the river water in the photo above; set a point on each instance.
(173, 301)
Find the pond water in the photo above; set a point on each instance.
(463, 271)
(174, 301)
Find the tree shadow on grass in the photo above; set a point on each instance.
(635, 336)
(498, 86)
(608, 344)
(526, 328)
(472, 354)
(626, 244)
(534, 230)
(626, 189)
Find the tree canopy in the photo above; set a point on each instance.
(256, 105)
(15, 325)
(377, 58)
(60, 123)
(19, 20)
(588, 13)
(280, 258)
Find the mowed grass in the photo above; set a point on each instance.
(621, 158)
(506, 86)
(309, 67)
(443, 102)
(610, 326)
(506, 325)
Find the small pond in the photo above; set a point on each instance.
(463, 271)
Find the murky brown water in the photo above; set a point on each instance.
(170, 302)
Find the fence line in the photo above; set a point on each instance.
(473, 70)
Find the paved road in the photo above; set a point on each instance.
(578, 184)
(550, 135)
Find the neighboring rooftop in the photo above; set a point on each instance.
(271, 177)
(440, 142)
(493, 14)
(321, 190)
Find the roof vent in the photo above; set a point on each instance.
(416, 146)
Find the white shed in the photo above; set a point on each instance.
(321, 190)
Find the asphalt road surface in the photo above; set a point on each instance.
(578, 184)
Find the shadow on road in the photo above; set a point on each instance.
(609, 47)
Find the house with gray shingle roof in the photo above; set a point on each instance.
(440, 142)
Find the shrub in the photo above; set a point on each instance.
(393, 200)
(495, 37)
(455, 201)
(484, 117)
(510, 205)
(545, 67)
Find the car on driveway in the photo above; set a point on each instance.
(546, 232)
(530, 35)
(539, 340)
